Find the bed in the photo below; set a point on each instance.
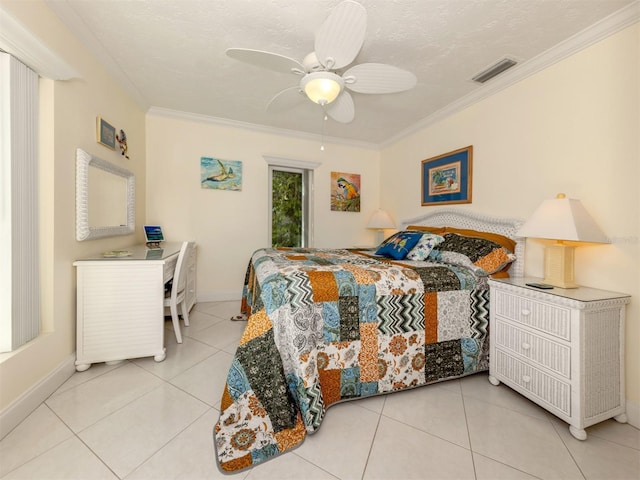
(330, 325)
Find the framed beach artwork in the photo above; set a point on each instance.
(345, 192)
(220, 174)
(446, 179)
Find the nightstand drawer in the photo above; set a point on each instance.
(537, 383)
(551, 319)
(546, 353)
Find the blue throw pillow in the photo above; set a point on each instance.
(400, 245)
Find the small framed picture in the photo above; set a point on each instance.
(220, 174)
(106, 133)
(447, 178)
(345, 192)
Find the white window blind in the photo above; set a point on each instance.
(19, 237)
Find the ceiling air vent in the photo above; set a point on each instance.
(494, 70)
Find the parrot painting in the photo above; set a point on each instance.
(345, 192)
(350, 191)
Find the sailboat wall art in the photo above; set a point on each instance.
(220, 174)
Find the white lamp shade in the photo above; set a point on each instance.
(322, 87)
(381, 220)
(563, 219)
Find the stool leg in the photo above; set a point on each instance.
(176, 322)
(185, 313)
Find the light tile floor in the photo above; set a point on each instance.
(146, 420)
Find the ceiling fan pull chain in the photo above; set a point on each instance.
(324, 123)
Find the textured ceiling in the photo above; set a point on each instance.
(171, 53)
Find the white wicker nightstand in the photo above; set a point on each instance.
(562, 349)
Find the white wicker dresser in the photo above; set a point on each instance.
(562, 348)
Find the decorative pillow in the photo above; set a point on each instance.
(506, 242)
(391, 237)
(399, 245)
(473, 252)
(424, 246)
(388, 239)
(503, 273)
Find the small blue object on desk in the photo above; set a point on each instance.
(153, 233)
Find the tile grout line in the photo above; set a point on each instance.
(373, 440)
(76, 434)
(473, 453)
(575, 461)
(466, 422)
(137, 467)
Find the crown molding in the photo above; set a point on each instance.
(225, 122)
(18, 41)
(614, 23)
(587, 37)
(66, 13)
(610, 25)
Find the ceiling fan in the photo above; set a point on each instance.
(337, 43)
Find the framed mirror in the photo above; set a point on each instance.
(105, 198)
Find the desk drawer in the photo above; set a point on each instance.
(548, 318)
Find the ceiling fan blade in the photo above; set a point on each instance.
(341, 36)
(342, 109)
(271, 61)
(286, 99)
(378, 78)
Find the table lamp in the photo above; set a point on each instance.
(561, 219)
(380, 220)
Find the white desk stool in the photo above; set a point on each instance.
(178, 294)
(120, 304)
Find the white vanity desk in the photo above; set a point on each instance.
(120, 312)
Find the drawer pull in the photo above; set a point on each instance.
(525, 312)
(526, 346)
(526, 378)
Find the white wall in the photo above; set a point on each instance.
(69, 111)
(572, 128)
(229, 226)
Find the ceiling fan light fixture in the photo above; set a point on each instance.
(322, 87)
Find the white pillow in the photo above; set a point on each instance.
(424, 246)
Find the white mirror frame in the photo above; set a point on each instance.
(84, 231)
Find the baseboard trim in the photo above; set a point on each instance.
(26, 403)
(633, 414)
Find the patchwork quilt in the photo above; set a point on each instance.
(326, 326)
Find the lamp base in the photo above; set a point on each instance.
(558, 266)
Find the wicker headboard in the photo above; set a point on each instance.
(474, 221)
